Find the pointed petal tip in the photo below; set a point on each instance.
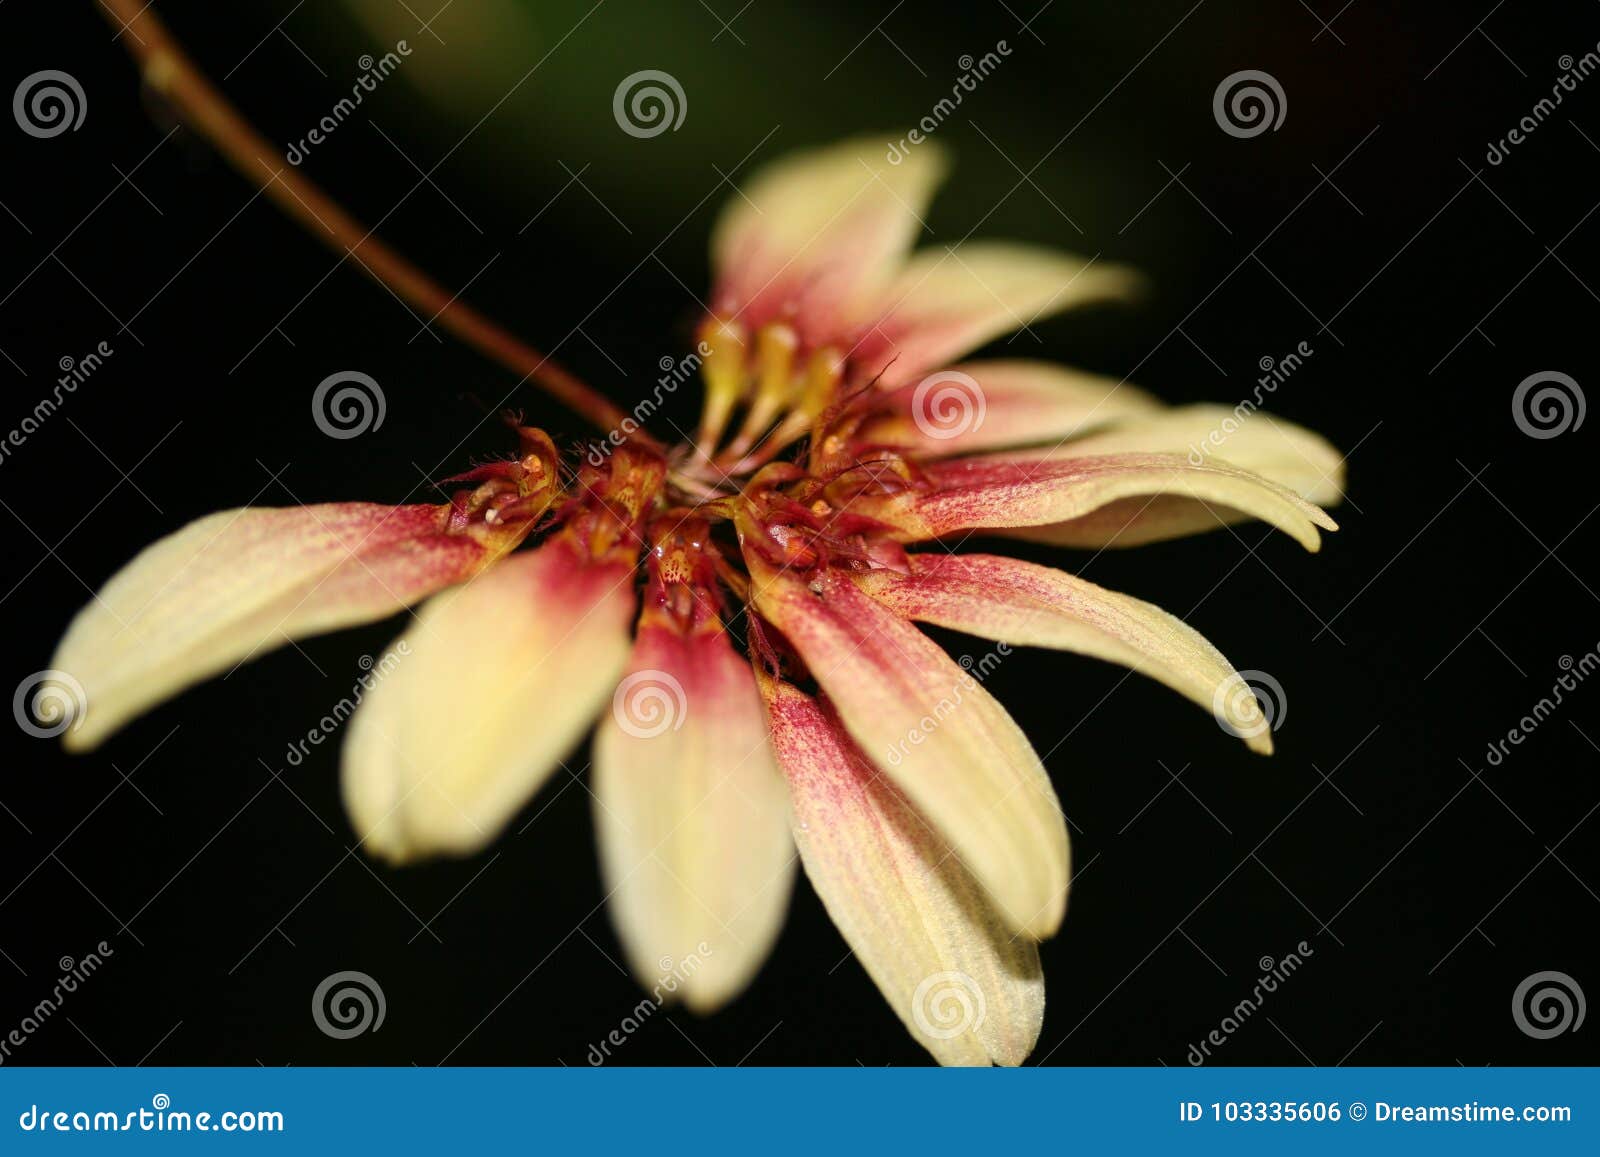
(82, 740)
(54, 704)
(391, 855)
(1045, 924)
(440, 844)
(706, 998)
(400, 841)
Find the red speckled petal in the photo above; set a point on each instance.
(968, 990)
(1009, 491)
(933, 729)
(813, 237)
(240, 582)
(497, 680)
(1024, 604)
(692, 817)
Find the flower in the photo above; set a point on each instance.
(836, 440)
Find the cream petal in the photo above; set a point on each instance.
(692, 817)
(1021, 603)
(948, 301)
(1011, 491)
(499, 680)
(813, 234)
(966, 988)
(992, 405)
(936, 732)
(241, 582)
(1279, 450)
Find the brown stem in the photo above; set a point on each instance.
(168, 69)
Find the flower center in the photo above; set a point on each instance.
(770, 383)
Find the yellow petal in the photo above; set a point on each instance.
(993, 405)
(936, 732)
(501, 678)
(948, 301)
(816, 233)
(692, 817)
(1277, 449)
(1020, 603)
(238, 583)
(968, 990)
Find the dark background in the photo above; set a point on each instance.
(1428, 284)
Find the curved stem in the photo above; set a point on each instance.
(168, 69)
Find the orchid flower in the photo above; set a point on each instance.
(740, 612)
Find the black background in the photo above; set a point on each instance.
(1427, 282)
